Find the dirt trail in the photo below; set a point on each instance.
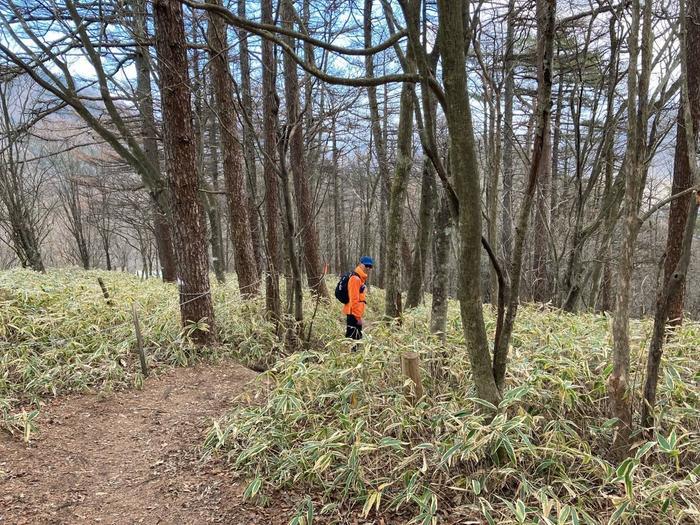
(133, 457)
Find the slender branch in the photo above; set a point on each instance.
(656, 207)
(263, 29)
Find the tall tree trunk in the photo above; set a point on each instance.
(188, 218)
(234, 175)
(541, 288)
(545, 39)
(420, 252)
(213, 205)
(144, 101)
(305, 211)
(442, 234)
(290, 235)
(509, 140)
(685, 175)
(682, 177)
(494, 139)
(341, 251)
(379, 144)
(270, 108)
(635, 159)
(556, 148)
(397, 198)
(249, 144)
(464, 164)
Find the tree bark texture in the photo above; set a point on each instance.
(304, 203)
(144, 101)
(541, 280)
(464, 164)
(422, 246)
(509, 140)
(183, 183)
(397, 198)
(682, 177)
(674, 282)
(635, 159)
(379, 142)
(441, 256)
(218, 253)
(234, 175)
(249, 144)
(272, 218)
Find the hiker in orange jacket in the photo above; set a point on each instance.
(355, 308)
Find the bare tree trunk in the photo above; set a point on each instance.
(397, 198)
(341, 251)
(545, 30)
(270, 108)
(249, 144)
(70, 199)
(464, 166)
(420, 252)
(441, 255)
(305, 211)
(635, 158)
(682, 177)
(492, 185)
(541, 289)
(509, 138)
(180, 155)
(144, 96)
(290, 245)
(379, 144)
(556, 148)
(244, 256)
(685, 169)
(22, 228)
(213, 205)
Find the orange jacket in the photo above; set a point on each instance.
(356, 292)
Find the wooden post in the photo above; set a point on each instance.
(139, 341)
(410, 366)
(104, 290)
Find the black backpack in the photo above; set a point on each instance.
(341, 290)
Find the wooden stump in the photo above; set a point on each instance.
(410, 366)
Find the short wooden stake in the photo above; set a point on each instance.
(139, 341)
(410, 366)
(104, 290)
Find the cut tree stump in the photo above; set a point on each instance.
(410, 366)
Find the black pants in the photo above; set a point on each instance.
(353, 330)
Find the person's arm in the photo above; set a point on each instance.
(357, 308)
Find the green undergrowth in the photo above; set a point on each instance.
(59, 335)
(336, 426)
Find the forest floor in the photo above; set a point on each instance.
(131, 457)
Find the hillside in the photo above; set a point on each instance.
(335, 433)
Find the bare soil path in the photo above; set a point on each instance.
(131, 457)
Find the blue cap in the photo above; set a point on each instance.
(367, 261)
